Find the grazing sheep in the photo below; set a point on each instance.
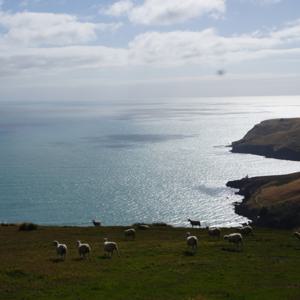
(297, 235)
(191, 241)
(110, 247)
(130, 233)
(83, 249)
(235, 238)
(96, 223)
(143, 226)
(245, 230)
(194, 223)
(214, 232)
(61, 249)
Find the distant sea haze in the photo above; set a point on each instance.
(66, 163)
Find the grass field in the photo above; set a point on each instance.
(155, 266)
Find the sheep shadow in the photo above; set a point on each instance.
(228, 249)
(188, 253)
(56, 260)
(104, 257)
(78, 259)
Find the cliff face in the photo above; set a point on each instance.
(277, 138)
(272, 201)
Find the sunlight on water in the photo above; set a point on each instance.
(126, 162)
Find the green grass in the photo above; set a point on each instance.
(155, 266)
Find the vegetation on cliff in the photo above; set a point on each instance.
(270, 200)
(277, 138)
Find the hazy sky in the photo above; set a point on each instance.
(75, 49)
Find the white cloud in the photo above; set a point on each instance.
(62, 43)
(35, 29)
(166, 12)
(119, 8)
(208, 47)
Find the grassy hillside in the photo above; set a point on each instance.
(270, 200)
(278, 138)
(155, 266)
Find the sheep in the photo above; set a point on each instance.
(245, 230)
(297, 235)
(96, 223)
(194, 223)
(214, 232)
(130, 233)
(83, 249)
(235, 238)
(61, 249)
(110, 247)
(191, 241)
(143, 226)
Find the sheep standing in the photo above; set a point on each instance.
(83, 249)
(191, 241)
(245, 230)
(235, 238)
(214, 232)
(129, 233)
(61, 249)
(194, 223)
(96, 223)
(143, 226)
(110, 247)
(297, 235)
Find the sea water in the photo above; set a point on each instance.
(128, 161)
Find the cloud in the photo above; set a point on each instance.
(166, 12)
(36, 29)
(57, 42)
(119, 8)
(208, 47)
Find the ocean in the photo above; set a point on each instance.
(121, 162)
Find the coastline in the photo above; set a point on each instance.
(270, 201)
(275, 138)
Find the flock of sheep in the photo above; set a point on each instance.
(110, 247)
(85, 249)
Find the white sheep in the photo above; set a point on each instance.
(297, 235)
(245, 230)
(110, 247)
(194, 223)
(235, 238)
(143, 226)
(130, 233)
(83, 249)
(214, 232)
(61, 249)
(191, 241)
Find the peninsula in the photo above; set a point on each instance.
(276, 138)
(272, 201)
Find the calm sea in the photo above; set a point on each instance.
(130, 161)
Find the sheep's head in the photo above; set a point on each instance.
(55, 243)
(188, 234)
(78, 243)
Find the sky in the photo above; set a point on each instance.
(140, 49)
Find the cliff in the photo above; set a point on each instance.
(277, 138)
(272, 201)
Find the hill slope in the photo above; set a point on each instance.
(277, 138)
(156, 266)
(270, 200)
